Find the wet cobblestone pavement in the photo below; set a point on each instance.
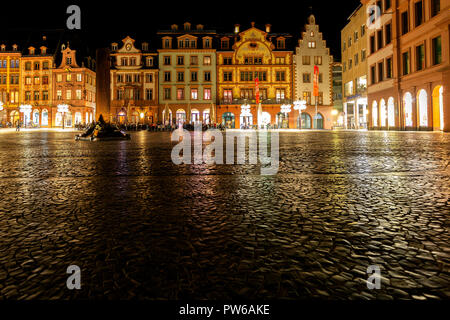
(140, 227)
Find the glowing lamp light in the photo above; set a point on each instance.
(142, 115)
(63, 108)
(1, 106)
(334, 112)
(300, 105)
(245, 110)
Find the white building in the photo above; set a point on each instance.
(312, 51)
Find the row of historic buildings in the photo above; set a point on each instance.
(396, 65)
(45, 88)
(242, 78)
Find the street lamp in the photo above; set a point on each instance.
(300, 105)
(63, 108)
(26, 110)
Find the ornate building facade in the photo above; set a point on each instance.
(187, 74)
(312, 54)
(254, 70)
(134, 83)
(9, 84)
(74, 87)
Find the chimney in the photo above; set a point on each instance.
(268, 28)
(236, 28)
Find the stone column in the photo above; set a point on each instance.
(446, 101)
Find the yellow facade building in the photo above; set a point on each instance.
(9, 85)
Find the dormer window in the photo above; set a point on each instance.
(145, 46)
(207, 43)
(199, 27)
(3, 47)
(187, 26)
(225, 43)
(149, 61)
(14, 47)
(43, 50)
(167, 43)
(281, 43)
(69, 61)
(114, 46)
(174, 27)
(31, 50)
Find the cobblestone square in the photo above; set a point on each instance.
(140, 227)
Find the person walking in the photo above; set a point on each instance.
(18, 126)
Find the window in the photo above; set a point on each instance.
(363, 30)
(280, 43)
(68, 94)
(280, 76)
(128, 78)
(247, 93)
(27, 66)
(194, 61)
(405, 23)
(59, 95)
(420, 57)
(227, 61)
(149, 78)
(228, 95)
(132, 61)
(388, 33)
(418, 11)
(45, 80)
(437, 50)
(356, 59)
(307, 96)
(180, 60)
(180, 94)
(372, 44)
(318, 60)
(356, 37)
(78, 94)
(380, 72)
(167, 60)
(280, 60)
(68, 77)
(435, 7)
(119, 94)
(263, 94)
(246, 76)
(320, 99)
(349, 42)
(307, 78)
(194, 76)
(207, 76)
(167, 76)
(45, 95)
(79, 78)
(27, 95)
(206, 60)
(148, 94)
(149, 61)
(344, 46)
(124, 61)
(228, 76)
(69, 60)
(45, 65)
(36, 80)
(224, 44)
(194, 94)
(167, 93)
(350, 64)
(167, 43)
(387, 4)
(389, 68)
(306, 60)
(379, 39)
(320, 77)
(380, 5)
(207, 94)
(207, 43)
(28, 80)
(180, 76)
(363, 55)
(406, 63)
(280, 94)
(312, 44)
(373, 76)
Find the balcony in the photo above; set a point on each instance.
(253, 101)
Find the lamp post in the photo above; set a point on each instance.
(300, 105)
(63, 108)
(285, 109)
(26, 110)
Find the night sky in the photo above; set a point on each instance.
(104, 22)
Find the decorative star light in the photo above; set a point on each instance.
(25, 108)
(63, 108)
(286, 108)
(300, 105)
(245, 110)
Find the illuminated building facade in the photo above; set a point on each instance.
(9, 84)
(74, 86)
(409, 65)
(255, 65)
(134, 83)
(310, 54)
(187, 74)
(355, 67)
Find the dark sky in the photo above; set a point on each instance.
(106, 21)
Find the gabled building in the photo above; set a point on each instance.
(134, 83)
(254, 78)
(73, 85)
(312, 53)
(187, 74)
